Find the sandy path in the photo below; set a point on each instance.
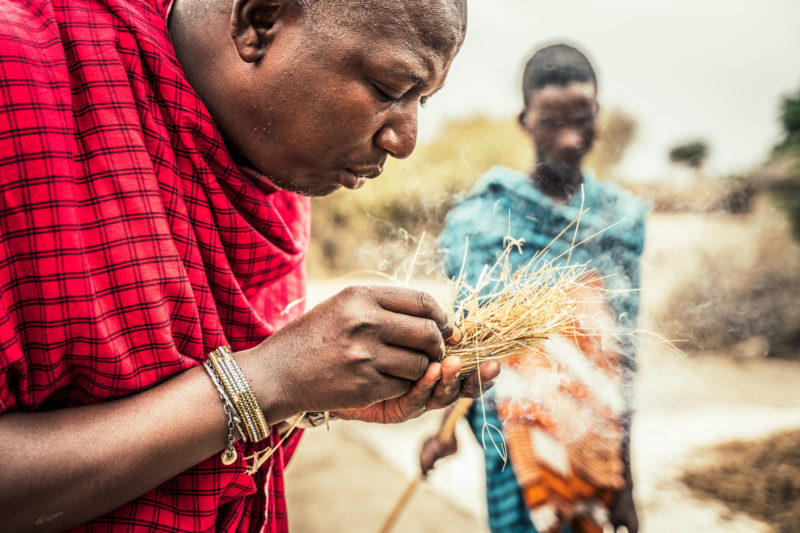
(348, 478)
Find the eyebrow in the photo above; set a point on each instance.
(416, 79)
(407, 71)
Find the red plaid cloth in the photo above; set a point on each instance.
(130, 243)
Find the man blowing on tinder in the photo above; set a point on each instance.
(156, 160)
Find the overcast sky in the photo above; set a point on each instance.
(685, 69)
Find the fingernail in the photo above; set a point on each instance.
(455, 338)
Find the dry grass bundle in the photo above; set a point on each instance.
(510, 312)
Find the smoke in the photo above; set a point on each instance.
(725, 283)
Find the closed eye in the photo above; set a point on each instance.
(384, 95)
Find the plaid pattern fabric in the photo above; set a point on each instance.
(508, 512)
(505, 202)
(564, 437)
(130, 243)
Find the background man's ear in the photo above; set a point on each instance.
(523, 119)
(253, 26)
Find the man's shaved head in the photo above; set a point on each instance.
(558, 64)
(439, 24)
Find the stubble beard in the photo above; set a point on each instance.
(557, 178)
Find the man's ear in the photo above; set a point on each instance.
(523, 119)
(253, 26)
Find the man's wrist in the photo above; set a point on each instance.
(269, 383)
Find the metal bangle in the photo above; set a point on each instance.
(239, 393)
(229, 454)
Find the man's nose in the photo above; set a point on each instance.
(398, 135)
(569, 139)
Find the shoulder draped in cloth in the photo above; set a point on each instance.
(130, 243)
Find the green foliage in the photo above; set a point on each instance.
(414, 195)
(787, 195)
(790, 120)
(787, 192)
(792, 206)
(691, 154)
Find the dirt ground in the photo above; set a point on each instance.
(347, 479)
(759, 477)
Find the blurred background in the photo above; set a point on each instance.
(700, 117)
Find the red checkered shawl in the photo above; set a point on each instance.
(130, 243)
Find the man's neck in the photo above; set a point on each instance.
(556, 181)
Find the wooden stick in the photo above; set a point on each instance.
(388, 524)
(448, 428)
(445, 433)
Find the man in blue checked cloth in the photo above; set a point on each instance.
(567, 473)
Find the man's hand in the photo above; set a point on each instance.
(439, 387)
(371, 353)
(434, 449)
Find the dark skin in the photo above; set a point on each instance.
(562, 122)
(324, 107)
(326, 114)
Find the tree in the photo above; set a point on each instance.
(790, 120)
(692, 154)
(787, 191)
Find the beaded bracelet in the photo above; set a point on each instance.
(234, 422)
(238, 392)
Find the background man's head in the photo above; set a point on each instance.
(316, 94)
(559, 90)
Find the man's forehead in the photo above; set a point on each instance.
(577, 94)
(413, 65)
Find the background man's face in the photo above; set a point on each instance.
(333, 106)
(562, 120)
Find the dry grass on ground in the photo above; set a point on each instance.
(738, 281)
(702, 194)
(761, 478)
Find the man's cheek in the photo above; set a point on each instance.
(589, 138)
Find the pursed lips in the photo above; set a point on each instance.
(366, 172)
